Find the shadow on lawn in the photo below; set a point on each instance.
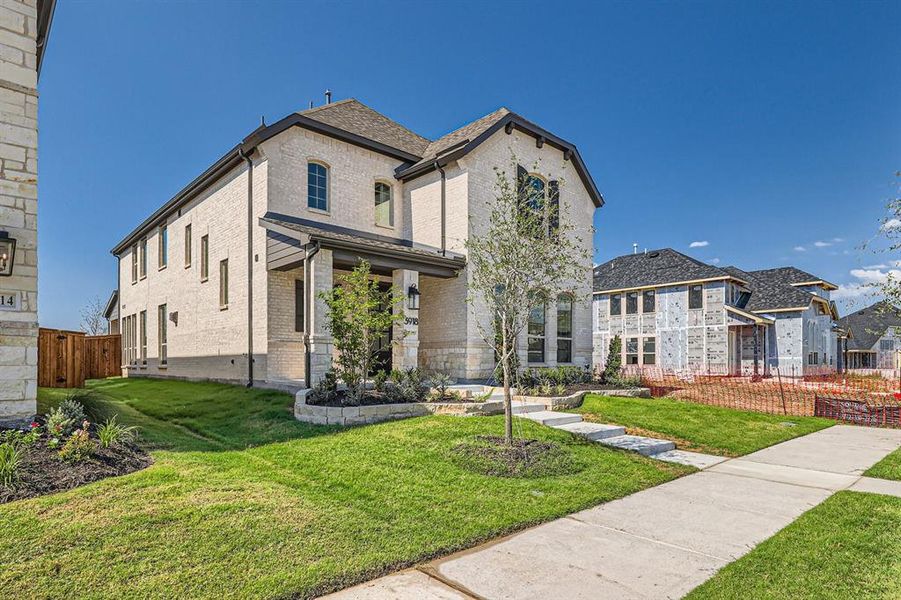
(181, 416)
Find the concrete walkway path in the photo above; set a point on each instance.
(661, 542)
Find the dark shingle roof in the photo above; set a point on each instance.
(772, 288)
(869, 324)
(789, 275)
(466, 133)
(355, 117)
(655, 267)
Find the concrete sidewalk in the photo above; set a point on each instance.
(661, 542)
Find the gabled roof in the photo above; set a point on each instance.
(772, 289)
(869, 324)
(353, 116)
(355, 123)
(794, 276)
(653, 268)
(111, 305)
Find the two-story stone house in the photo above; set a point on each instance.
(676, 313)
(875, 337)
(232, 267)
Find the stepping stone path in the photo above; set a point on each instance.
(614, 436)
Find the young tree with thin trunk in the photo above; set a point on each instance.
(93, 321)
(359, 313)
(890, 237)
(525, 255)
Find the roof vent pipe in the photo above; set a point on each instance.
(634, 248)
(328, 96)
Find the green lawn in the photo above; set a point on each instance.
(847, 547)
(699, 427)
(245, 502)
(887, 468)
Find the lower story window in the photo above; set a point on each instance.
(632, 351)
(649, 351)
(564, 329)
(162, 335)
(536, 329)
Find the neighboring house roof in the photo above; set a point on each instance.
(112, 306)
(353, 116)
(794, 276)
(770, 290)
(653, 268)
(355, 123)
(869, 324)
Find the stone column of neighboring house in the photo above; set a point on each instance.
(18, 209)
(405, 350)
(320, 340)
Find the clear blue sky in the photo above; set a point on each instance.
(754, 127)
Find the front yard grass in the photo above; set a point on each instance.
(698, 427)
(887, 468)
(243, 501)
(847, 547)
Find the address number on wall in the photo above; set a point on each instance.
(411, 321)
(10, 300)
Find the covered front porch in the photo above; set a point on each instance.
(747, 343)
(305, 258)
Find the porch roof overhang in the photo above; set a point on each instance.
(756, 319)
(289, 235)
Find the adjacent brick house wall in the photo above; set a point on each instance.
(18, 206)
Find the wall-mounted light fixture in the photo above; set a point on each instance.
(7, 254)
(413, 297)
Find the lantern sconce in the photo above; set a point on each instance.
(7, 254)
(413, 297)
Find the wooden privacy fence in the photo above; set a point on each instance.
(67, 358)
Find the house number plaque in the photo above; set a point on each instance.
(411, 321)
(10, 300)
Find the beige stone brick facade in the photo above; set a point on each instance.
(207, 341)
(18, 208)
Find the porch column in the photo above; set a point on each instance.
(321, 280)
(756, 350)
(405, 347)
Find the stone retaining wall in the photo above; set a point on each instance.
(575, 400)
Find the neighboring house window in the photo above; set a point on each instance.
(134, 263)
(564, 329)
(204, 258)
(649, 351)
(632, 351)
(162, 335)
(536, 332)
(695, 296)
(648, 301)
(164, 246)
(631, 303)
(887, 345)
(317, 186)
(142, 251)
(616, 305)
(223, 283)
(298, 305)
(187, 245)
(384, 207)
(143, 334)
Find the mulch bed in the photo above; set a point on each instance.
(43, 472)
(491, 455)
(578, 387)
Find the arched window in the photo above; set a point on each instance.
(384, 206)
(317, 186)
(535, 193)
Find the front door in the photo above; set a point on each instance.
(382, 345)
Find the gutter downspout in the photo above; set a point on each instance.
(247, 158)
(443, 208)
(312, 249)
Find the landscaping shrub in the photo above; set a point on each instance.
(58, 425)
(10, 458)
(79, 446)
(73, 408)
(111, 433)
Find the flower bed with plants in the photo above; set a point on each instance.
(64, 450)
(554, 382)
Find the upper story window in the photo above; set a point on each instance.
(164, 246)
(134, 263)
(631, 303)
(616, 305)
(204, 258)
(888, 344)
(142, 259)
(317, 186)
(187, 245)
(535, 193)
(695, 296)
(648, 301)
(384, 205)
